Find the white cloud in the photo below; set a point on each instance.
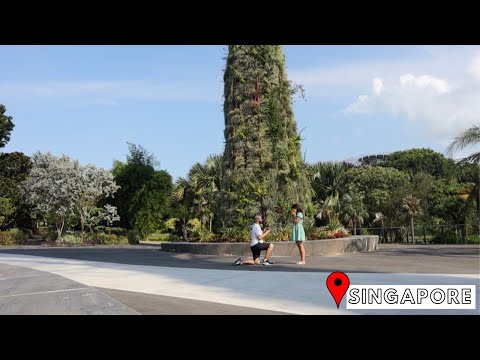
(348, 78)
(359, 106)
(377, 85)
(442, 110)
(475, 67)
(425, 81)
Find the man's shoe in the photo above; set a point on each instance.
(266, 262)
(237, 262)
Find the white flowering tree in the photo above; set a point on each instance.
(59, 188)
(93, 184)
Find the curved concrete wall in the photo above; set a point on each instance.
(286, 248)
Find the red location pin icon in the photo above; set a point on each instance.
(337, 284)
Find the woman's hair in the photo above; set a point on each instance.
(297, 207)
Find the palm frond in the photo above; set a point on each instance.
(471, 159)
(468, 137)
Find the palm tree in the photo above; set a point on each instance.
(181, 195)
(329, 209)
(353, 210)
(380, 218)
(327, 184)
(412, 206)
(205, 181)
(467, 138)
(327, 178)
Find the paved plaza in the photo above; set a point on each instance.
(146, 280)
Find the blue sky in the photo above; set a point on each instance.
(88, 101)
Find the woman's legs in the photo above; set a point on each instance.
(301, 249)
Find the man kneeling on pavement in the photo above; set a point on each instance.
(257, 245)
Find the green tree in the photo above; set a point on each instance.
(421, 160)
(422, 187)
(447, 206)
(131, 177)
(151, 204)
(6, 209)
(14, 169)
(466, 138)
(206, 180)
(328, 178)
(262, 143)
(412, 207)
(353, 210)
(182, 196)
(6, 126)
(383, 188)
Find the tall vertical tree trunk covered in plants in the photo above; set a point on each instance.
(265, 172)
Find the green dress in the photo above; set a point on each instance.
(298, 232)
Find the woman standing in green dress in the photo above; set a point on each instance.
(298, 232)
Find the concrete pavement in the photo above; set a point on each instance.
(163, 278)
(31, 292)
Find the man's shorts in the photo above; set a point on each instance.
(257, 248)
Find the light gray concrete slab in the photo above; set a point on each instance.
(25, 291)
(284, 291)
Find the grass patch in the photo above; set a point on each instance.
(158, 237)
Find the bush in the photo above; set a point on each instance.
(51, 234)
(206, 236)
(7, 238)
(13, 237)
(111, 230)
(158, 236)
(133, 238)
(72, 239)
(41, 231)
(472, 239)
(311, 232)
(116, 231)
(447, 237)
(174, 238)
(400, 235)
(279, 234)
(334, 230)
(171, 224)
(194, 227)
(109, 239)
(235, 234)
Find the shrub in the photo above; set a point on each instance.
(111, 230)
(13, 237)
(110, 239)
(7, 238)
(116, 231)
(400, 235)
(171, 224)
(206, 236)
(279, 234)
(41, 231)
(194, 227)
(158, 236)
(472, 239)
(72, 239)
(51, 234)
(311, 232)
(132, 237)
(334, 230)
(174, 238)
(235, 234)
